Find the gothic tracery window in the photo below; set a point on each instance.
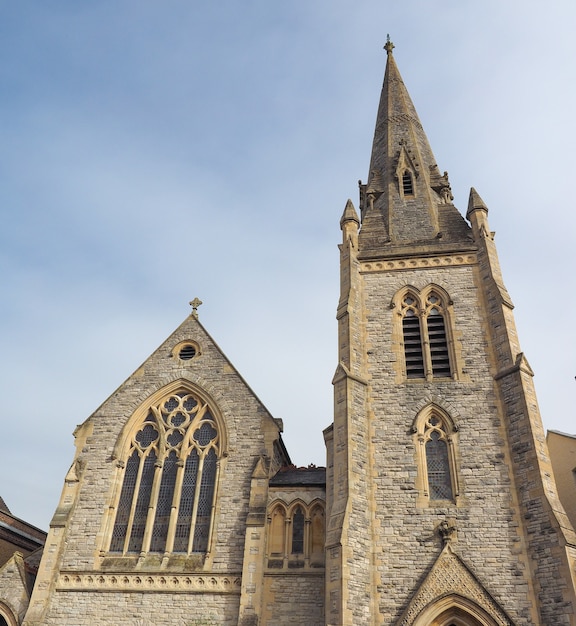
(425, 335)
(169, 481)
(437, 475)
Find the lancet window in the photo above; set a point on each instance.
(436, 441)
(296, 535)
(425, 335)
(169, 480)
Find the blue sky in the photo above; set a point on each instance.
(151, 152)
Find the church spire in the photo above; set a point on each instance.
(406, 199)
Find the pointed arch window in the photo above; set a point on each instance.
(169, 480)
(296, 535)
(425, 335)
(437, 469)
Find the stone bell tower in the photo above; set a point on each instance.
(441, 503)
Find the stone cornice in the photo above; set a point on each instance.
(445, 260)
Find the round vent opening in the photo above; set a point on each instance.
(187, 352)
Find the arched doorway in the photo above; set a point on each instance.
(455, 610)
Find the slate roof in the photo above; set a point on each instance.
(299, 476)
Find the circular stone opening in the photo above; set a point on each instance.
(187, 352)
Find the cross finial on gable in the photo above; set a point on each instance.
(195, 304)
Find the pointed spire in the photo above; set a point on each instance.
(406, 199)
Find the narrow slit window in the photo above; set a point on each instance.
(407, 184)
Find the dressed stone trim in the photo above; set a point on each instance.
(96, 581)
(409, 264)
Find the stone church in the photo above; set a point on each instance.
(437, 506)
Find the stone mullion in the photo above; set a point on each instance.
(287, 539)
(195, 505)
(307, 540)
(180, 466)
(213, 506)
(453, 468)
(426, 355)
(152, 504)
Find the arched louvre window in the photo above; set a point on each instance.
(438, 462)
(437, 340)
(425, 336)
(413, 352)
(169, 482)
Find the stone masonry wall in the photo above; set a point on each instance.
(250, 431)
(488, 536)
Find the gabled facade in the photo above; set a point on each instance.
(437, 507)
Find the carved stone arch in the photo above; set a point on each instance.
(400, 294)
(277, 503)
(7, 615)
(296, 503)
(436, 406)
(452, 594)
(440, 401)
(447, 300)
(455, 610)
(177, 385)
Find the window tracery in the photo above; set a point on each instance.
(425, 334)
(169, 480)
(436, 448)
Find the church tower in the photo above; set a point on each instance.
(441, 504)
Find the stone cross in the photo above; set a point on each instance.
(195, 304)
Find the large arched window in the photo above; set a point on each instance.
(425, 334)
(435, 435)
(168, 486)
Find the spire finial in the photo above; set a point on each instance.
(389, 46)
(195, 304)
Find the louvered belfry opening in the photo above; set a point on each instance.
(412, 339)
(437, 338)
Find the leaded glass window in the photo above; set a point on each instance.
(437, 460)
(169, 481)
